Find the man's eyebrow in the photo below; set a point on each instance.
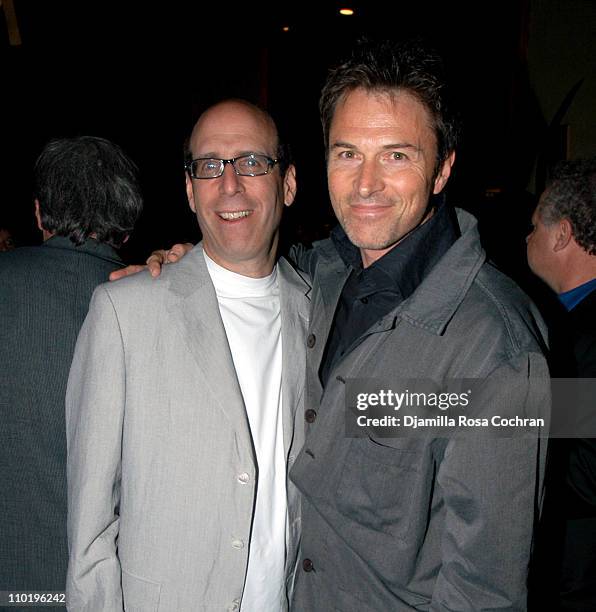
(401, 145)
(343, 145)
(215, 155)
(394, 145)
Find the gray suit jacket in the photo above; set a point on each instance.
(44, 297)
(423, 523)
(161, 466)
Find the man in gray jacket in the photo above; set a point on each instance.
(408, 520)
(184, 402)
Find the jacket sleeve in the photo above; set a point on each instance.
(94, 417)
(492, 491)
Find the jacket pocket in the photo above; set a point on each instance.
(350, 602)
(139, 594)
(377, 484)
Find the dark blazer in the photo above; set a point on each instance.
(578, 569)
(44, 297)
(582, 322)
(564, 565)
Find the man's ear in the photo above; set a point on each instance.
(38, 215)
(290, 185)
(444, 173)
(46, 235)
(563, 236)
(190, 194)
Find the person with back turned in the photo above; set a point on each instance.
(87, 201)
(561, 250)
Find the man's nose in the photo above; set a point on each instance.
(369, 179)
(231, 183)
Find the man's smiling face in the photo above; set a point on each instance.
(381, 168)
(239, 216)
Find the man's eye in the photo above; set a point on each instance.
(207, 165)
(347, 155)
(396, 156)
(252, 163)
(257, 163)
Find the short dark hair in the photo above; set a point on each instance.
(87, 185)
(283, 152)
(571, 194)
(390, 67)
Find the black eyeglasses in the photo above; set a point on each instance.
(252, 164)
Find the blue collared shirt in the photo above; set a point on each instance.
(570, 299)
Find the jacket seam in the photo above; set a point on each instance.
(515, 347)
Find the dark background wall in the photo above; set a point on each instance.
(139, 74)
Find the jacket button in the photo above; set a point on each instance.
(307, 565)
(311, 340)
(243, 478)
(310, 415)
(238, 544)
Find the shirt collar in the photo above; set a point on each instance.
(570, 299)
(404, 267)
(90, 247)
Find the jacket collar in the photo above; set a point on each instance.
(435, 301)
(295, 308)
(195, 311)
(332, 274)
(191, 275)
(89, 247)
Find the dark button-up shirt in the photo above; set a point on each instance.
(370, 293)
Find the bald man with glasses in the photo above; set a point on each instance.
(184, 404)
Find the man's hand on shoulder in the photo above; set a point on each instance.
(155, 261)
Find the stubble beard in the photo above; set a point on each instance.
(375, 238)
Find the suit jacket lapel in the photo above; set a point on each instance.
(195, 313)
(332, 278)
(295, 307)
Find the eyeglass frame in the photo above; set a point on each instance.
(270, 164)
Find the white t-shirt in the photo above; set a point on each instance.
(251, 314)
